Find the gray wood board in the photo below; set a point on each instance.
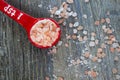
(20, 60)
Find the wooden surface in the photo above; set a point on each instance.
(19, 60)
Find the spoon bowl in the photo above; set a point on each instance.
(42, 32)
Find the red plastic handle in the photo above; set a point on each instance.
(22, 18)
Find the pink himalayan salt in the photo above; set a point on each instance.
(44, 33)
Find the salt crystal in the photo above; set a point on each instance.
(107, 20)
(74, 14)
(70, 25)
(91, 44)
(86, 1)
(80, 28)
(74, 36)
(93, 34)
(116, 58)
(80, 38)
(82, 57)
(117, 77)
(60, 43)
(91, 56)
(96, 41)
(85, 32)
(70, 13)
(106, 37)
(85, 62)
(69, 9)
(68, 37)
(64, 23)
(115, 45)
(74, 30)
(40, 5)
(71, 61)
(69, 65)
(70, 1)
(103, 26)
(76, 24)
(85, 16)
(66, 44)
(92, 38)
(85, 38)
(99, 60)
(57, 12)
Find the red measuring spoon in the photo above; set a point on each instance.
(42, 32)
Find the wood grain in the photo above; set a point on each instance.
(20, 60)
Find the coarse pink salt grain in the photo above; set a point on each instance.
(97, 23)
(44, 33)
(102, 20)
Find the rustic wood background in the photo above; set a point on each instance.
(19, 60)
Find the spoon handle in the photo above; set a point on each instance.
(22, 18)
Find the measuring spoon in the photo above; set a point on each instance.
(42, 32)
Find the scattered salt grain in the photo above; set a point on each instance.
(74, 36)
(92, 38)
(66, 44)
(85, 16)
(115, 45)
(85, 61)
(70, 13)
(116, 58)
(91, 56)
(68, 37)
(76, 24)
(107, 20)
(60, 43)
(103, 45)
(118, 77)
(70, 25)
(94, 59)
(74, 14)
(99, 60)
(108, 13)
(78, 61)
(86, 1)
(82, 58)
(85, 38)
(93, 34)
(87, 54)
(74, 30)
(96, 41)
(102, 20)
(70, 1)
(69, 9)
(60, 78)
(40, 5)
(85, 32)
(64, 23)
(80, 28)
(80, 38)
(92, 44)
(114, 70)
(103, 27)
(60, 21)
(57, 12)
(99, 50)
(97, 23)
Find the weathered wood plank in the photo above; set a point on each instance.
(19, 60)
